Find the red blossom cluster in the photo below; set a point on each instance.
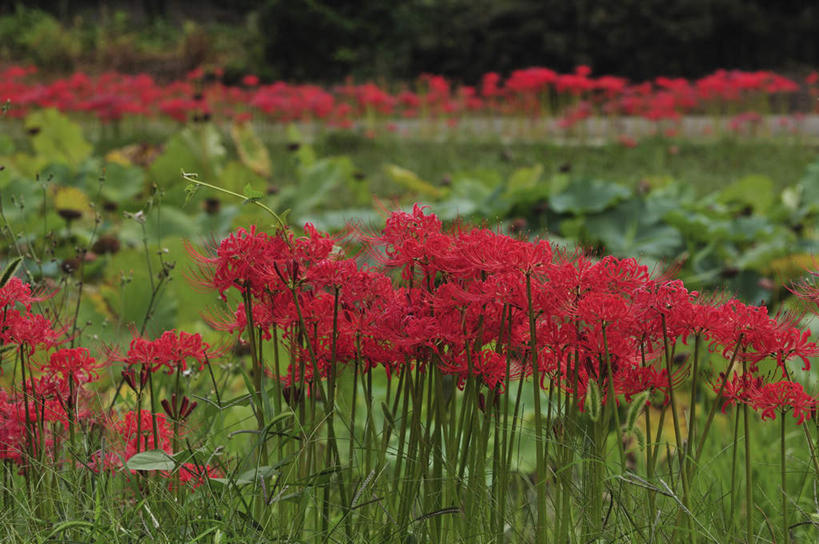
(51, 401)
(470, 303)
(462, 299)
(532, 92)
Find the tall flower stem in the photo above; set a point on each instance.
(540, 477)
(786, 537)
(692, 406)
(749, 486)
(716, 402)
(674, 415)
(734, 454)
(612, 402)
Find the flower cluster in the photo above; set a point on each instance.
(570, 98)
(53, 401)
(467, 300)
(472, 306)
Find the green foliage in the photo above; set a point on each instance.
(733, 238)
(57, 138)
(588, 196)
(150, 460)
(714, 237)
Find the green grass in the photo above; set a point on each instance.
(706, 164)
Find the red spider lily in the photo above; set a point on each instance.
(781, 396)
(72, 364)
(28, 331)
(594, 320)
(171, 350)
(530, 92)
(14, 292)
(12, 429)
(737, 390)
(489, 366)
(125, 443)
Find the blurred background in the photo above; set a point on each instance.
(328, 40)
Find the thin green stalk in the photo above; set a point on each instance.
(692, 406)
(657, 438)
(713, 410)
(540, 527)
(399, 458)
(734, 455)
(27, 426)
(652, 499)
(497, 471)
(139, 419)
(277, 400)
(351, 453)
(612, 402)
(154, 425)
(369, 425)
(257, 365)
(329, 415)
(749, 487)
(178, 391)
(786, 537)
(191, 178)
(501, 431)
(674, 415)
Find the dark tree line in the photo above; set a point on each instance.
(326, 40)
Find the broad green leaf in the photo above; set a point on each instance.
(234, 177)
(305, 154)
(326, 182)
(57, 138)
(755, 191)
(71, 198)
(809, 185)
(196, 148)
(251, 150)
(588, 196)
(7, 146)
(625, 231)
(410, 180)
(122, 183)
(525, 178)
(127, 292)
(150, 460)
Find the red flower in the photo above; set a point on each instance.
(171, 350)
(73, 364)
(782, 396)
(126, 443)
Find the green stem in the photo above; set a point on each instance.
(713, 410)
(540, 529)
(786, 537)
(749, 487)
(692, 406)
(612, 401)
(192, 179)
(734, 455)
(674, 415)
